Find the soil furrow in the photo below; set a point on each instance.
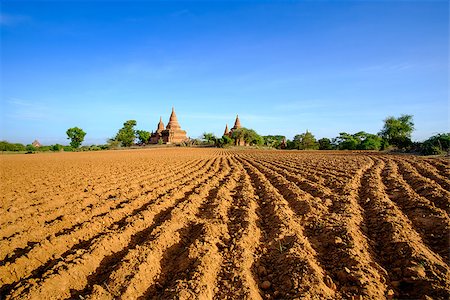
(425, 186)
(116, 222)
(413, 270)
(286, 256)
(342, 251)
(76, 220)
(432, 223)
(235, 280)
(144, 262)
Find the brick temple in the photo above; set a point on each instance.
(171, 134)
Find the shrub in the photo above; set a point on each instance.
(437, 144)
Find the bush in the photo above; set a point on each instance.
(57, 147)
(325, 144)
(437, 144)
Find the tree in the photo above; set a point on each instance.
(249, 136)
(346, 141)
(371, 142)
(127, 134)
(305, 141)
(325, 144)
(437, 144)
(273, 140)
(143, 136)
(76, 136)
(397, 131)
(209, 137)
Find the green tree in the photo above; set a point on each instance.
(209, 137)
(273, 140)
(397, 131)
(76, 136)
(437, 144)
(249, 136)
(371, 142)
(346, 141)
(325, 144)
(305, 141)
(143, 136)
(127, 134)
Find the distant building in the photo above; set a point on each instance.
(172, 134)
(36, 144)
(237, 125)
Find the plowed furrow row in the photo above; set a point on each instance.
(413, 269)
(323, 179)
(19, 245)
(443, 166)
(336, 243)
(51, 209)
(202, 277)
(142, 267)
(425, 186)
(67, 245)
(427, 170)
(235, 280)
(286, 265)
(89, 201)
(315, 165)
(432, 223)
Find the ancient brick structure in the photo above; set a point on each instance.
(172, 134)
(156, 136)
(237, 125)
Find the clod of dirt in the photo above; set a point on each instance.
(415, 271)
(265, 285)
(390, 294)
(262, 271)
(329, 282)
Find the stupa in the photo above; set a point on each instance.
(237, 125)
(173, 134)
(226, 132)
(154, 138)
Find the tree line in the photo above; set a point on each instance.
(395, 134)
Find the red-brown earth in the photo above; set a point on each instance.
(224, 224)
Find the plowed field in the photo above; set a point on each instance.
(224, 224)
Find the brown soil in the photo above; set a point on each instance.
(224, 224)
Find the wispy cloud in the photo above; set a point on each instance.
(389, 67)
(30, 111)
(12, 20)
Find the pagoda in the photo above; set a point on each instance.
(156, 136)
(173, 134)
(237, 125)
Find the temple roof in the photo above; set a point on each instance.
(226, 130)
(173, 121)
(160, 125)
(237, 123)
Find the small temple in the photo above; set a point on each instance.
(36, 144)
(237, 125)
(172, 134)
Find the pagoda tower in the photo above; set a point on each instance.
(237, 123)
(173, 134)
(154, 138)
(226, 132)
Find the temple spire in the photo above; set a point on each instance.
(173, 121)
(237, 123)
(160, 125)
(226, 130)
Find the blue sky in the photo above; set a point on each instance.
(283, 66)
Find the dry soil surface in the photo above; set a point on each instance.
(224, 224)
